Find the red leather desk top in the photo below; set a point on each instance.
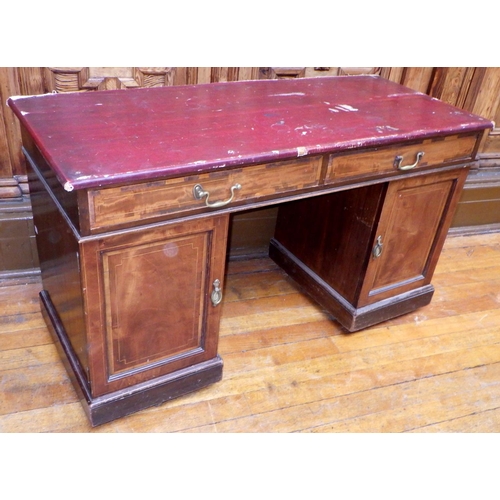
(102, 138)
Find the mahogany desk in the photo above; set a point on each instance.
(132, 192)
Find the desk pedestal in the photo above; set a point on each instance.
(368, 254)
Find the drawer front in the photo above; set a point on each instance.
(118, 206)
(401, 158)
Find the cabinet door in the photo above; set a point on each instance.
(148, 298)
(410, 234)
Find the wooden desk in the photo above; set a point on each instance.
(132, 192)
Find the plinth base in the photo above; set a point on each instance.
(118, 404)
(349, 316)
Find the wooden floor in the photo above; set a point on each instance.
(289, 368)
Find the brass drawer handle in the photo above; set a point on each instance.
(399, 159)
(199, 194)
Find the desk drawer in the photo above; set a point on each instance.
(385, 160)
(119, 206)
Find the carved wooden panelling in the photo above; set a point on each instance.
(484, 99)
(31, 81)
(93, 78)
(359, 71)
(82, 79)
(275, 73)
(193, 76)
(417, 78)
(5, 163)
(451, 85)
(233, 74)
(9, 134)
(300, 72)
(476, 90)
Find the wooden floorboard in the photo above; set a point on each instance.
(288, 367)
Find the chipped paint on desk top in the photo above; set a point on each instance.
(93, 139)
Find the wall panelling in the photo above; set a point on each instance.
(474, 89)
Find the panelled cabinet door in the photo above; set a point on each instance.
(410, 234)
(149, 300)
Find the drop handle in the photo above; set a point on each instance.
(216, 295)
(199, 193)
(377, 249)
(399, 159)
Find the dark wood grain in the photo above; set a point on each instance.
(58, 251)
(332, 234)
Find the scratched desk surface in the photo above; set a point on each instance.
(95, 139)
